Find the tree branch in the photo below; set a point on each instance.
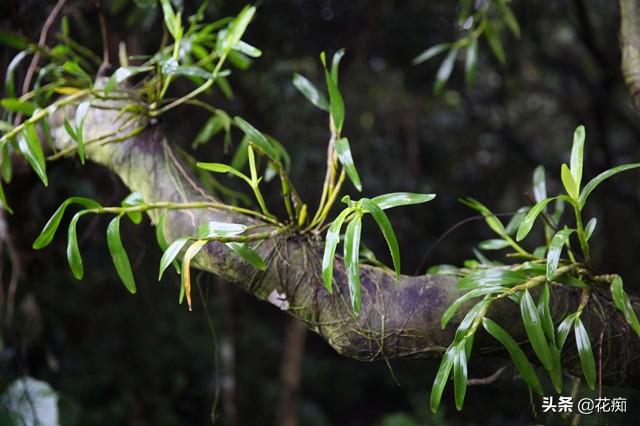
(399, 318)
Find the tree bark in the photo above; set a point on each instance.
(399, 318)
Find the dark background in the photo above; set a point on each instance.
(145, 360)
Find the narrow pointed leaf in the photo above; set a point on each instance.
(220, 229)
(455, 306)
(459, 375)
(439, 383)
(352, 262)
(535, 332)
(520, 360)
(29, 145)
(119, 255)
(539, 184)
(257, 138)
(73, 251)
(593, 183)
(622, 302)
(493, 38)
(170, 254)
(577, 155)
(563, 330)
(430, 53)
(336, 103)
(589, 228)
(471, 61)
(331, 242)
(569, 182)
(385, 226)
(50, 228)
(133, 200)
(555, 250)
(344, 155)
(545, 314)
(248, 254)
(396, 199)
(81, 116)
(586, 353)
(530, 218)
(444, 72)
(310, 92)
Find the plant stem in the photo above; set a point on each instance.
(584, 245)
(182, 206)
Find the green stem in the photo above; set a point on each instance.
(43, 113)
(184, 206)
(584, 245)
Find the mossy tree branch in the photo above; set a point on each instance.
(399, 318)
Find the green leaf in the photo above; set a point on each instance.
(493, 38)
(119, 255)
(212, 127)
(539, 184)
(495, 244)
(430, 53)
(331, 242)
(3, 199)
(459, 374)
(238, 27)
(220, 229)
(81, 116)
(586, 353)
(248, 49)
(516, 220)
(455, 306)
(569, 183)
(74, 69)
(440, 381)
(494, 223)
(555, 249)
(310, 92)
(385, 226)
(344, 155)
(73, 251)
(471, 61)
(50, 228)
(395, 199)
(622, 302)
(162, 241)
(563, 330)
(352, 261)
(16, 105)
(133, 200)
(589, 228)
(492, 277)
(335, 64)
(248, 254)
(518, 356)
(577, 155)
(545, 314)
(444, 72)
(170, 254)
(593, 183)
(508, 17)
(530, 218)
(533, 327)
(10, 88)
(257, 138)
(224, 168)
(336, 103)
(29, 145)
(171, 19)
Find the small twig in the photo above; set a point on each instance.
(42, 41)
(105, 38)
(487, 380)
